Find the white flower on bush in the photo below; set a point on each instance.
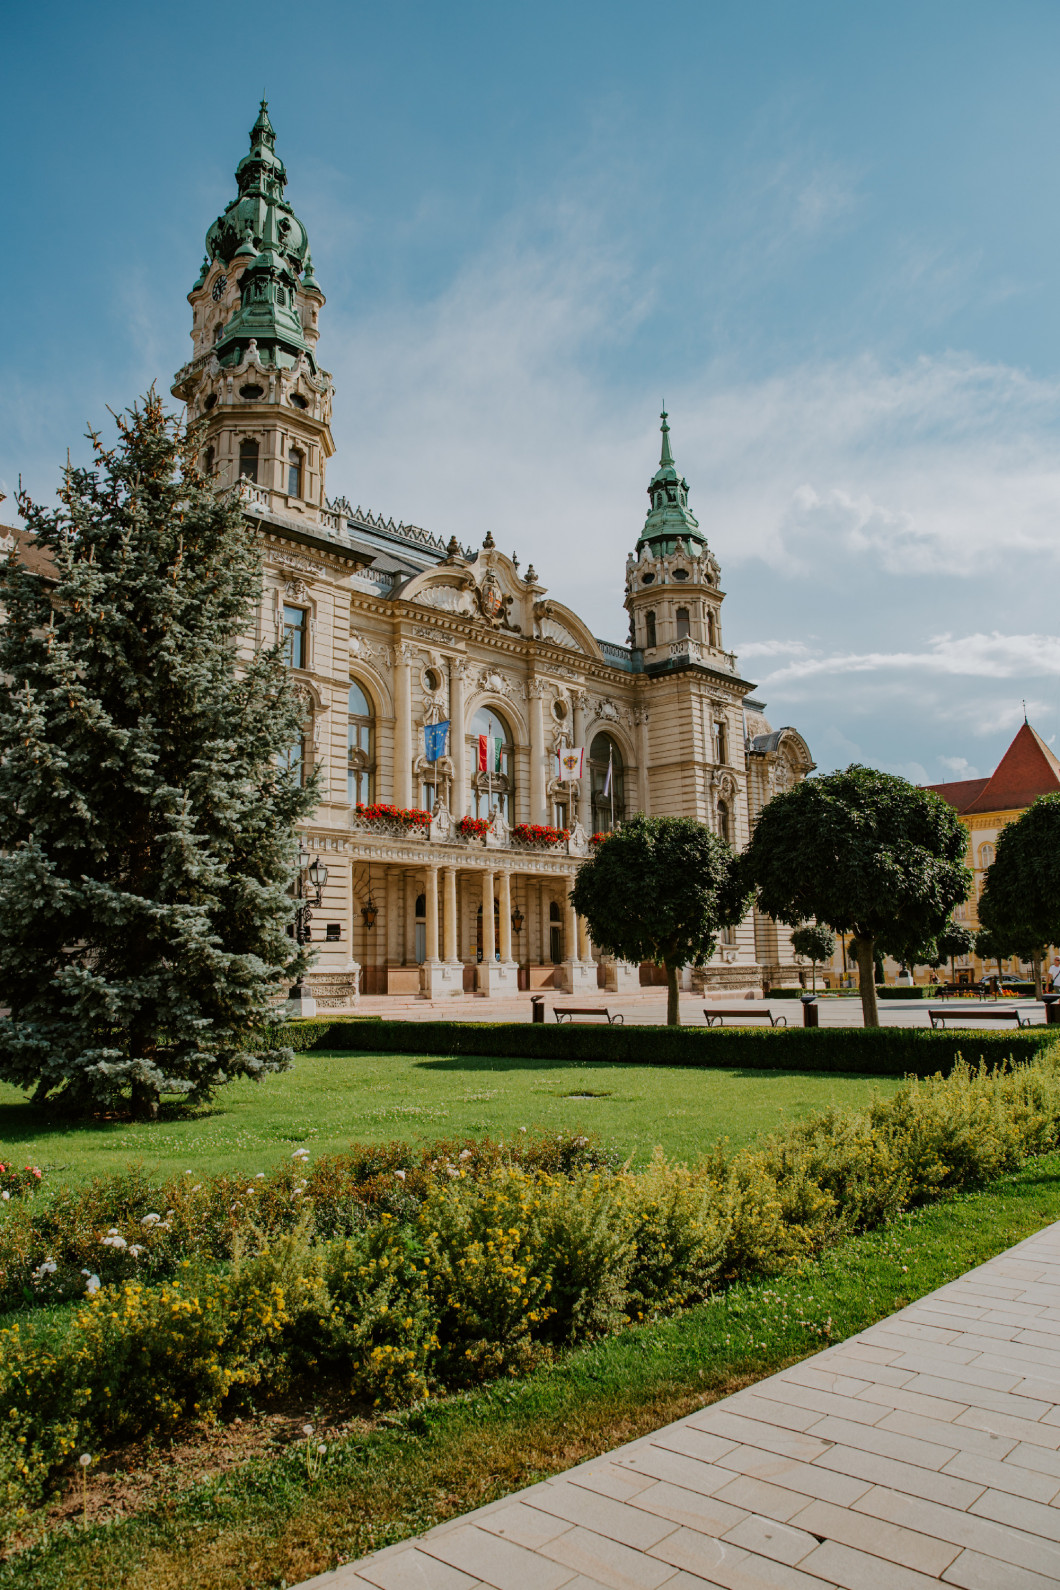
(465, 1153)
(5, 1195)
(400, 1174)
(581, 1142)
(300, 1153)
(92, 1284)
(113, 1239)
(259, 1175)
(136, 1250)
(150, 1220)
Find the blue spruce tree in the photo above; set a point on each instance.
(147, 819)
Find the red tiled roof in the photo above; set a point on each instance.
(1027, 769)
(960, 794)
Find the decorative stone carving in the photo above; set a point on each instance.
(442, 825)
(296, 590)
(492, 603)
(498, 834)
(447, 598)
(495, 683)
(578, 843)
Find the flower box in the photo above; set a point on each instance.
(408, 817)
(539, 835)
(472, 827)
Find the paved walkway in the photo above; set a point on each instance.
(648, 1007)
(924, 1451)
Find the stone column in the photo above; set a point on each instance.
(579, 972)
(432, 913)
(402, 726)
(489, 942)
(392, 958)
(643, 795)
(585, 949)
(457, 747)
(504, 891)
(449, 915)
(584, 807)
(538, 809)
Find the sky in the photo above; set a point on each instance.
(826, 233)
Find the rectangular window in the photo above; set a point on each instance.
(649, 630)
(333, 933)
(293, 761)
(721, 743)
(430, 795)
(294, 628)
(294, 473)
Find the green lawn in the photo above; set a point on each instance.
(330, 1100)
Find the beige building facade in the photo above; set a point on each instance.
(462, 885)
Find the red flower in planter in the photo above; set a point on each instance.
(540, 834)
(469, 827)
(379, 812)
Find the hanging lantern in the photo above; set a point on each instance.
(517, 920)
(370, 912)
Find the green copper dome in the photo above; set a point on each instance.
(260, 232)
(669, 519)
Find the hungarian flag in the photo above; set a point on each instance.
(489, 753)
(571, 761)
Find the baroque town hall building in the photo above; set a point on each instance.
(388, 631)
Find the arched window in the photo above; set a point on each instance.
(208, 462)
(683, 626)
(491, 765)
(360, 741)
(986, 855)
(723, 821)
(649, 630)
(248, 460)
(608, 792)
(712, 629)
(555, 934)
(294, 473)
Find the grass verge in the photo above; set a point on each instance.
(268, 1523)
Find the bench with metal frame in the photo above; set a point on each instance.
(716, 1014)
(568, 1012)
(939, 1018)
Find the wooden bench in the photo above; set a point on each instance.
(568, 1013)
(715, 1013)
(939, 1018)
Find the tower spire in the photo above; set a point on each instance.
(669, 519)
(667, 455)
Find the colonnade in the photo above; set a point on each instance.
(439, 921)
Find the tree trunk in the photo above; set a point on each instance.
(673, 1002)
(866, 953)
(813, 976)
(1038, 959)
(144, 1102)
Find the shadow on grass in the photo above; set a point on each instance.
(506, 1062)
(29, 1122)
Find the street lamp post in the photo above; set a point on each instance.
(308, 892)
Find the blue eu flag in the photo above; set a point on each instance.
(434, 740)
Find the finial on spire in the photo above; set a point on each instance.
(667, 455)
(1024, 711)
(263, 131)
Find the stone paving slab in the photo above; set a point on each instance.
(924, 1451)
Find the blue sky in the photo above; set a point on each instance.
(827, 232)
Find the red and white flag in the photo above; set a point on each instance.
(489, 753)
(571, 761)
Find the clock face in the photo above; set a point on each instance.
(219, 288)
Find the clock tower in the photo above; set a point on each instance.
(253, 375)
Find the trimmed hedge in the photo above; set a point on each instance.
(878, 1051)
(905, 991)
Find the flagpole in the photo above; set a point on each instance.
(611, 783)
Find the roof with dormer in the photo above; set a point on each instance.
(1027, 769)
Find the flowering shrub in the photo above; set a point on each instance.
(540, 834)
(469, 1264)
(125, 1226)
(16, 1181)
(379, 812)
(472, 827)
(598, 838)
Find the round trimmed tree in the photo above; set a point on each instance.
(660, 889)
(816, 943)
(147, 810)
(1020, 903)
(869, 854)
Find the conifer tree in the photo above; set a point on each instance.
(147, 824)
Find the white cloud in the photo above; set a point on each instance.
(977, 656)
(959, 767)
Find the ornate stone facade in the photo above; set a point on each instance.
(390, 631)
